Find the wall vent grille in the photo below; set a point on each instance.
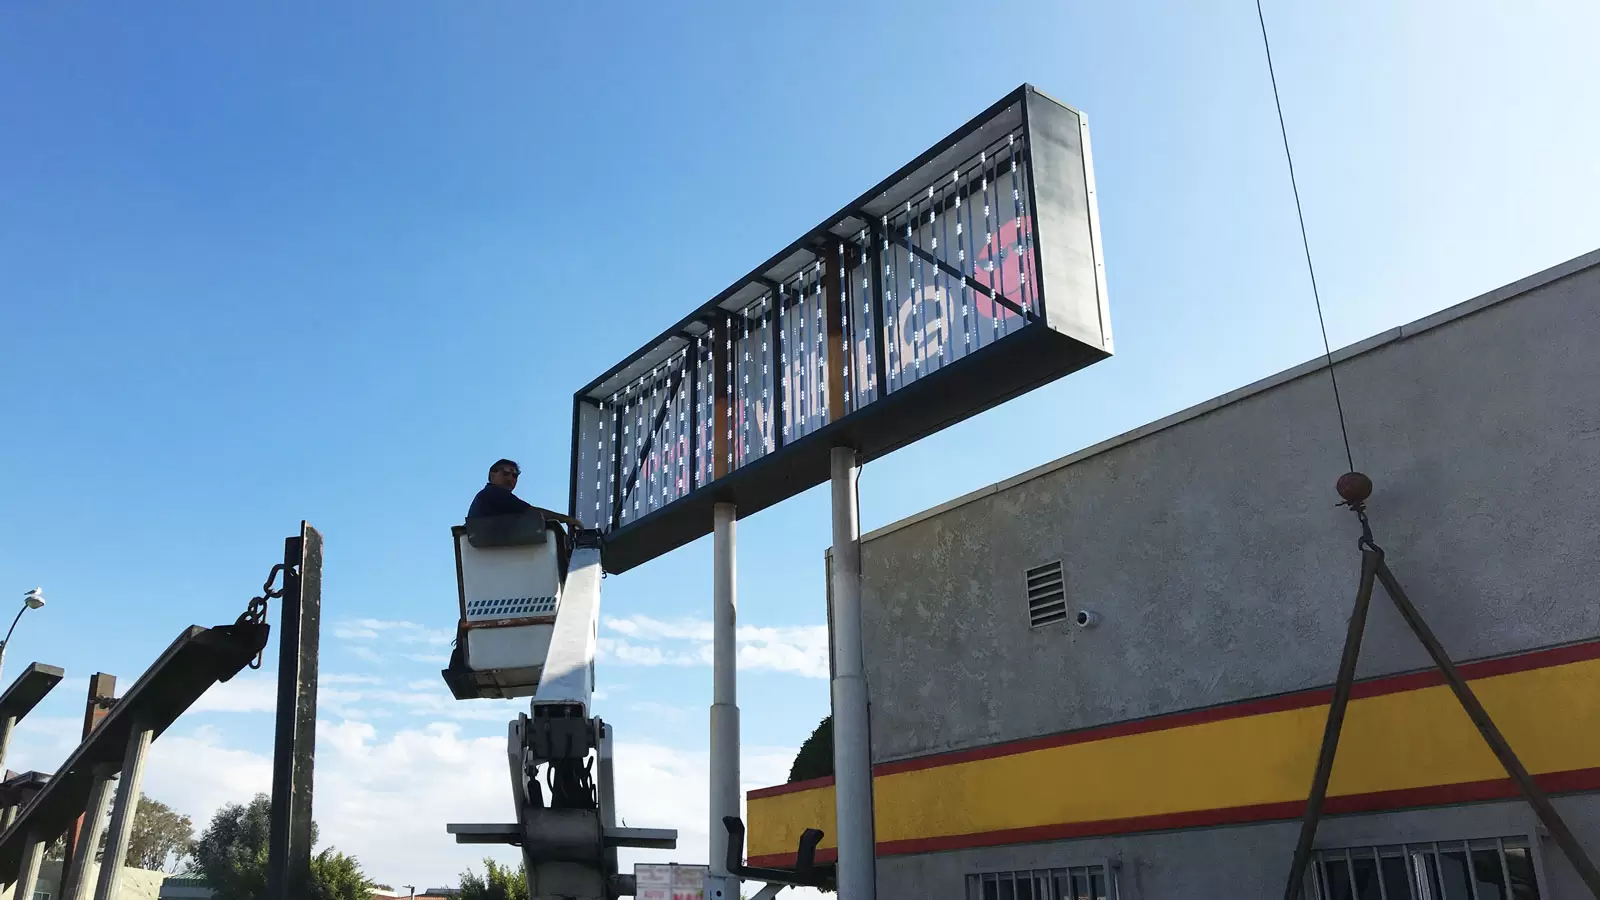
(1047, 595)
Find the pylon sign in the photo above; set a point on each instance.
(971, 275)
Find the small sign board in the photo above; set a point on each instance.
(669, 881)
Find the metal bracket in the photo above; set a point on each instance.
(803, 874)
(512, 834)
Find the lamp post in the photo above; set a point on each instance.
(31, 600)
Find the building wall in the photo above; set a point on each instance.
(1211, 547)
(1223, 575)
(1241, 862)
(137, 884)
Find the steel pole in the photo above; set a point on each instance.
(724, 699)
(852, 750)
(7, 641)
(294, 757)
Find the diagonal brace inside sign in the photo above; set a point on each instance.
(649, 443)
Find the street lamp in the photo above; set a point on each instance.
(31, 600)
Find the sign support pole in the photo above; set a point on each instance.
(852, 749)
(724, 622)
(724, 703)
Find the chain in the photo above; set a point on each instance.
(1366, 541)
(255, 612)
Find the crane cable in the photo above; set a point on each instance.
(1316, 296)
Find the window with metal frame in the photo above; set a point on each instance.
(1047, 595)
(1070, 883)
(1489, 869)
(41, 895)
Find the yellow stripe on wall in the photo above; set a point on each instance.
(1411, 739)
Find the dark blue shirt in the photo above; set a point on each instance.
(495, 500)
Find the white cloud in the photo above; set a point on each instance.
(428, 700)
(248, 692)
(800, 650)
(366, 653)
(386, 798)
(197, 773)
(648, 628)
(629, 653)
(391, 631)
(659, 710)
(349, 679)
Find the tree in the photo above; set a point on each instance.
(160, 840)
(335, 876)
(160, 837)
(815, 759)
(497, 883)
(232, 856)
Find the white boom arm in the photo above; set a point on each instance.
(568, 678)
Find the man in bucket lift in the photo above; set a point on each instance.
(497, 499)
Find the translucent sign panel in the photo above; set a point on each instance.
(948, 288)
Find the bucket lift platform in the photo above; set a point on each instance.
(508, 582)
(527, 629)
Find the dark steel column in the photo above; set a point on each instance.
(294, 756)
(102, 693)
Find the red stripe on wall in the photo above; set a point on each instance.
(1375, 687)
(790, 788)
(1380, 801)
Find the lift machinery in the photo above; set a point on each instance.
(530, 604)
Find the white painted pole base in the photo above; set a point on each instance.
(852, 750)
(724, 702)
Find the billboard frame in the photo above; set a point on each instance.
(1065, 328)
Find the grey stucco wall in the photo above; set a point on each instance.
(1249, 861)
(1211, 547)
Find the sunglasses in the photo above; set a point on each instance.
(512, 472)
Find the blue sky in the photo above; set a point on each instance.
(272, 262)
